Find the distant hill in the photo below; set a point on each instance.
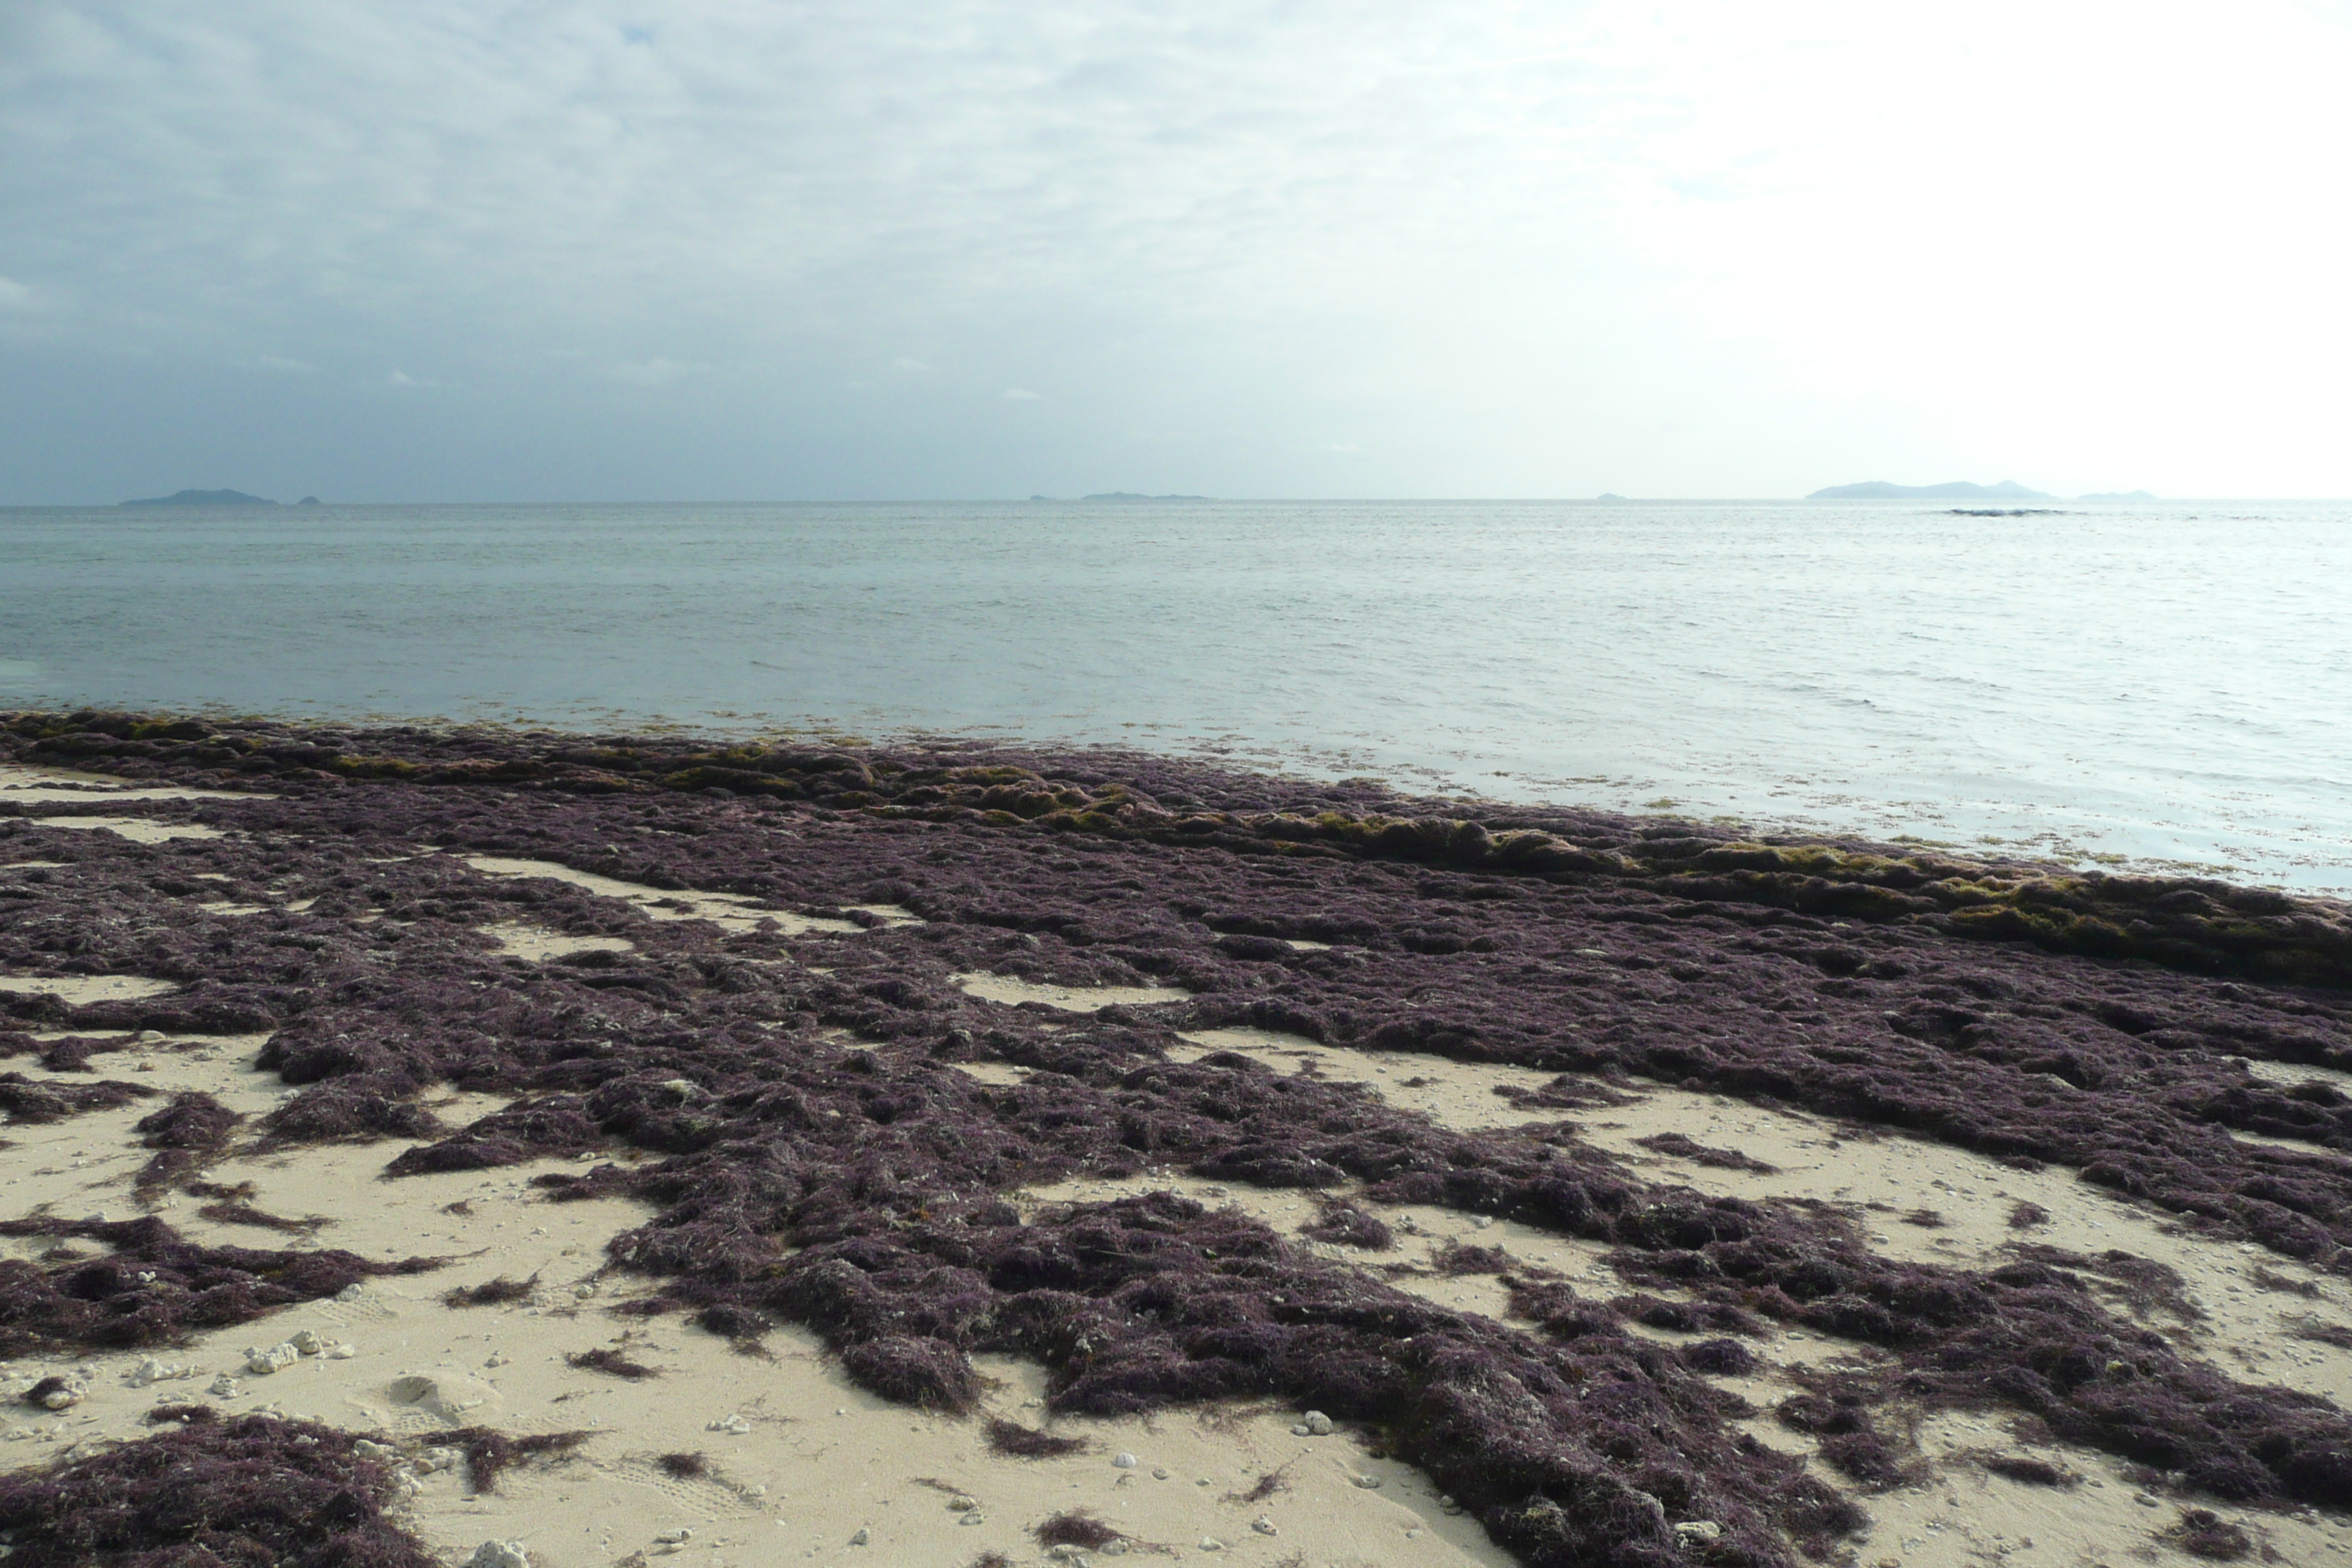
(2118, 495)
(204, 498)
(1958, 489)
(1130, 495)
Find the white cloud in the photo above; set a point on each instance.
(1520, 248)
(402, 378)
(1020, 395)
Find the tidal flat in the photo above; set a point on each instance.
(426, 1145)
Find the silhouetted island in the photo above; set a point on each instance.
(1958, 489)
(1130, 495)
(204, 497)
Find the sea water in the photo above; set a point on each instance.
(2153, 684)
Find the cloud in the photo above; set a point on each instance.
(1019, 395)
(1502, 242)
(402, 378)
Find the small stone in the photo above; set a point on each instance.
(675, 1537)
(974, 1517)
(307, 1342)
(352, 1292)
(226, 1387)
(262, 1363)
(1122, 1461)
(1211, 1543)
(961, 1504)
(1317, 1425)
(585, 1288)
(735, 1423)
(367, 1449)
(1159, 1472)
(862, 1537)
(1369, 1483)
(1265, 1526)
(153, 1371)
(1697, 1531)
(500, 1554)
(496, 1360)
(151, 1037)
(61, 1398)
(341, 1352)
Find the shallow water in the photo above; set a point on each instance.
(2157, 682)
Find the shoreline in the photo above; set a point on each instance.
(746, 997)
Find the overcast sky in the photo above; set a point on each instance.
(544, 249)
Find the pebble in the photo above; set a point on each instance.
(153, 1371)
(1369, 1483)
(1122, 1461)
(734, 1423)
(341, 1352)
(262, 1363)
(1159, 1472)
(675, 1537)
(307, 1343)
(1211, 1543)
(1697, 1531)
(1317, 1424)
(862, 1537)
(974, 1517)
(961, 1504)
(368, 1450)
(500, 1554)
(585, 1288)
(225, 1387)
(1264, 1526)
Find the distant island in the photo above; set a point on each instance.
(1609, 495)
(1130, 495)
(204, 497)
(1958, 489)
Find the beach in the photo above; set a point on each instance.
(583, 1150)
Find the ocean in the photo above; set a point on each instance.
(2138, 685)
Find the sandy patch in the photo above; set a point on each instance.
(1449, 1093)
(136, 829)
(18, 783)
(732, 911)
(77, 990)
(538, 943)
(1012, 992)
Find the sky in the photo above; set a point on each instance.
(414, 250)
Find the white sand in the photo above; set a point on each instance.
(1012, 992)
